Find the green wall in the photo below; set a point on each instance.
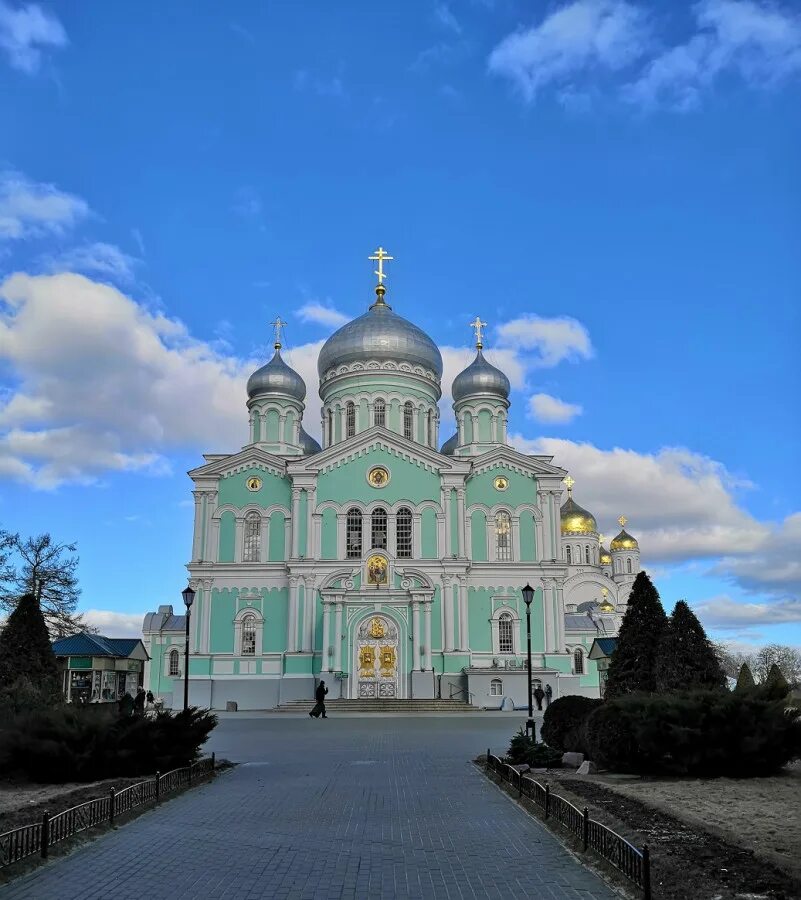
(408, 480)
(478, 536)
(480, 488)
(227, 536)
(329, 535)
(276, 550)
(528, 549)
(428, 538)
(275, 490)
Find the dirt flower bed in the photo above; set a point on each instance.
(688, 861)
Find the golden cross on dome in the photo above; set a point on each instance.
(278, 325)
(622, 521)
(569, 482)
(381, 256)
(478, 325)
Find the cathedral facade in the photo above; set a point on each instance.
(385, 562)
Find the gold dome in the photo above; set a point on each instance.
(605, 556)
(624, 541)
(606, 604)
(576, 520)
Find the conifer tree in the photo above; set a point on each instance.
(26, 653)
(632, 665)
(775, 686)
(745, 680)
(686, 658)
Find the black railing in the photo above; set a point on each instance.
(634, 863)
(39, 837)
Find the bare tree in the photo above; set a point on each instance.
(41, 566)
(788, 659)
(731, 661)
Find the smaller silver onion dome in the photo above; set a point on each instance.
(276, 377)
(450, 445)
(480, 377)
(308, 443)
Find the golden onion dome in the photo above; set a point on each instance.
(605, 556)
(624, 541)
(576, 519)
(606, 604)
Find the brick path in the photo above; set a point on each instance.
(352, 808)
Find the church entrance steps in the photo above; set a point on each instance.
(384, 706)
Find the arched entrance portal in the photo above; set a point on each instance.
(375, 664)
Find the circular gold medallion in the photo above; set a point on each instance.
(253, 484)
(378, 477)
(501, 483)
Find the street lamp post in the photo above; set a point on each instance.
(189, 598)
(528, 596)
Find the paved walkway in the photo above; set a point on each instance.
(353, 808)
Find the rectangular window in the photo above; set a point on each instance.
(379, 529)
(353, 527)
(505, 637)
(380, 413)
(496, 687)
(350, 419)
(403, 533)
(252, 545)
(408, 413)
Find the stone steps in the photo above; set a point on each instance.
(389, 705)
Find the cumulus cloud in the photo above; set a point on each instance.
(552, 340)
(775, 565)
(680, 504)
(575, 41)
(322, 315)
(111, 623)
(33, 209)
(723, 612)
(546, 408)
(104, 259)
(758, 42)
(25, 31)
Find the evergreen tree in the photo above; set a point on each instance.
(632, 665)
(26, 653)
(686, 658)
(745, 680)
(776, 686)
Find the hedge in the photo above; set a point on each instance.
(562, 724)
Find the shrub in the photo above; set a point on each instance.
(563, 721)
(703, 733)
(745, 680)
(522, 749)
(71, 744)
(29, 675)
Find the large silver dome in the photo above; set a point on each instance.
(276, 377)
(450, 445)
(380, 334)
(480, 377)
(308, 443)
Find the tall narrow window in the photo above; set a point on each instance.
(568, 555)
(330, 428)
(506, 642)
(503, 535)
(249, 636)
(408, 417)
(353, 534)
(587, 554)
(350, 418)
(403, 531)
(628, 566)
(173, 670)
(252, 546)
(430, 428)
(380, 413)
(578, 661)
(379, 529)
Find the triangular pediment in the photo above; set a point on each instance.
(251, 457)
(377, 438)
(529, 464)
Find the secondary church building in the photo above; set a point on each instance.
(384, 562)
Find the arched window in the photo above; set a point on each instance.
(350, 418)
(503, 535)
(403, 533)
(628, 566)
(496, 687)
(330, 428)
(174, 658)
(251, 551)
(578, 661)
(587, 554)
(506, 642)
(379, 529)
(430, 428)
(353, 534)
(618, 567)
(249, 636)
(379, 413)
(408, 417)
(568, 555)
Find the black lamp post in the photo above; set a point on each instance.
(189, 598)
(528, 596)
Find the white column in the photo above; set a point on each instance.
(560, 617)
(516, 538)
(238, 538)
(416, 634)
(446, 507)
(474, 417)
(338, 637)
(555, 525)
(460, 520)
(547, 612)
(326, 635)
(197, 549)
(417, 535)
(292, 617)
(311, 544)
(464, 640)
(205, 635)
(308, 621)
(447, 608)
(317, 536)
(547, 542)
(295, 522)
(427, 614)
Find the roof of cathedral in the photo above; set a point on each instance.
(276, 377)
(576, 519)
(624, 541)
(308, 443)
(380, 334)
(480, 377)
(450, 445)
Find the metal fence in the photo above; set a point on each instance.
(39, 837)
(634, 863)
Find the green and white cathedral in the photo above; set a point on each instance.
(378, 562)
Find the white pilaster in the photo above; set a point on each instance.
(295, 521)
(427, 614)
(460, 521)
(326, 636)
(447, 608)
(197, 549)
(239, 532)
(338, 637)
(417, 535)
(464, 639)
(416, 634)
(292, 617)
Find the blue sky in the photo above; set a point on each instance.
(614, 187)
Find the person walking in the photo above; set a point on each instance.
(139, 702)
(319, 706)
(149, 697)
(548, 695)
(539, 694)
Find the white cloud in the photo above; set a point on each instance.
(723, 612)
(775, 565)
(322, 315)
(105, 259)
(546, 408)
(32, 209)
(680, 504)
(25, 31)
(444, 15)
(759, 42)
(574, 41)
(111, 623)
(554, 340)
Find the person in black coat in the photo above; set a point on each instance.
(319, 696)
(539, 694)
